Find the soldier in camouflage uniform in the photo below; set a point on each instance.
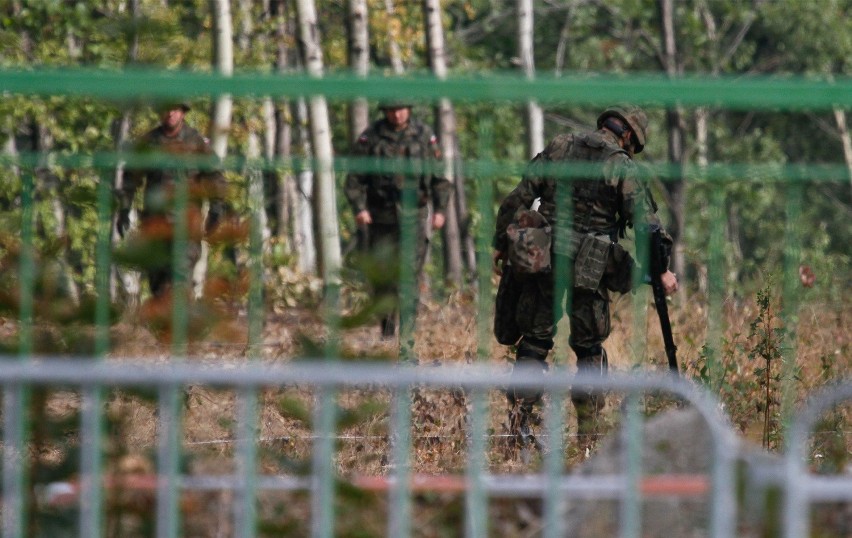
(174, 137)
(603, 206)
(376, 198)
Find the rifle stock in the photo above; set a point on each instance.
(657, 255)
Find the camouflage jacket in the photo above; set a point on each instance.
(611, 199)
(417, 155)
(159, 183)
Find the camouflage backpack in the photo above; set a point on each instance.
(529, 242)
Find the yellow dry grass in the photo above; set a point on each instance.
(446, 334)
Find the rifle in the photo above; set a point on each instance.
(657, 255)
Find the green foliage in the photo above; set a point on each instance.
(767, 338)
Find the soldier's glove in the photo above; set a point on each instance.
(122, 222)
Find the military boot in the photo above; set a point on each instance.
(530, 357)
(588, 404)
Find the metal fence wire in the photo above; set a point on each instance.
(92, 379)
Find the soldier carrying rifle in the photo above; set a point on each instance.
(610, 199)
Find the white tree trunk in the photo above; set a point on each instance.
(303, 232)
(254, 173)
(223, 62)
(393, 40)
(446, 132)
(359, 62)
(534, 114)
(246, 27)
(130, 279)
(845, 139)
(676, 188)
(325, 200)
(285, 181)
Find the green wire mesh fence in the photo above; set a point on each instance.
(134, 87)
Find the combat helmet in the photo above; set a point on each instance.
(170, 105)
(396, 103)
(635, 118)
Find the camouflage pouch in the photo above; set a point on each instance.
(591, 261)
(619, 271)
(529, 242)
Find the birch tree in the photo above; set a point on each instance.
(534, 116)
(720, 49)
(223, 63)
(447, 132)
(393, 39)
(130, 279)
(294, 192)
(675, 187)
(359, 63)
(845, 139)
(220, 124)
(324, 199)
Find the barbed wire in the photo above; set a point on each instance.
(305, 438)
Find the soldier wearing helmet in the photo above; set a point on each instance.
(376, 197)
(604, 203)
(172, 136)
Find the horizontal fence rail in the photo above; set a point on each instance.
(328, 377)
(789, 92)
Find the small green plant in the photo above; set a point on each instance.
(766, 337)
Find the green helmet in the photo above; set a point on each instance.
(171, 105)
(633, 116)
(385, 105)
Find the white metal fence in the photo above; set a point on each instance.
(555, 485)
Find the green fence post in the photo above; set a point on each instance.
(476, 498)
(16, 397)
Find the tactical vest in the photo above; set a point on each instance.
(409, 152)
(595, 201)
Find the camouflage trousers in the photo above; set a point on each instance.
(384, 253)
(524, 308)
(524, 315)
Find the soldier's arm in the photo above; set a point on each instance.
(637, 205)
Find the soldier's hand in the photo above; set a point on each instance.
(363, 218)
(669, 281)
(498, 258)
(438, 220)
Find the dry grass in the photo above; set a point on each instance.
(446, 334)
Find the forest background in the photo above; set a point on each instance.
(716, 38)
(274, 141)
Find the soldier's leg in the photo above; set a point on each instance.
(384, 253)
(535, 320)
(590, 326)
(530, 358)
